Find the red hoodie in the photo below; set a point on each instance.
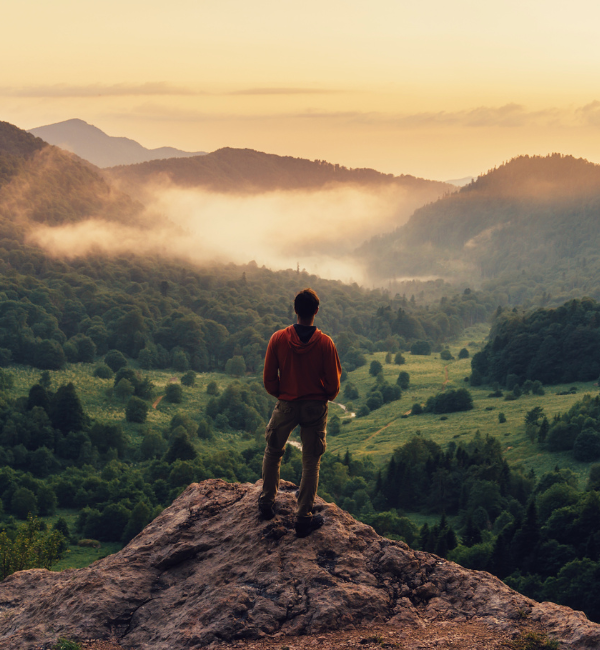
(302, 371)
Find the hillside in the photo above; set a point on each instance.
(102, 150)
(209, 570)
(246, 170)
(43, 184)
(533, 217)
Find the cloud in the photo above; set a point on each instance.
(317, 229)
(98, 90)
(284, 91)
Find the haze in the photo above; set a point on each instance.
(435, 89)
(315, 230)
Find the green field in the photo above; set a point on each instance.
(379, 433)
(100, 404)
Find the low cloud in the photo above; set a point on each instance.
(317, 230)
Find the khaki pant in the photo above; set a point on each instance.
(311, 415)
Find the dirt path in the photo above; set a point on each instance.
(157, 401)
(380, 430)
(446, 378)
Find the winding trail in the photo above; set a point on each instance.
(157, 401)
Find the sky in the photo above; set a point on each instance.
(433, 88)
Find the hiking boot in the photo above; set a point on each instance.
(266, 510)
(305, 526)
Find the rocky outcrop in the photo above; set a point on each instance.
(208, 569)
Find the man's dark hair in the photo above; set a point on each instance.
(306, 303)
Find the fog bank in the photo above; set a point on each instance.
(317, 230)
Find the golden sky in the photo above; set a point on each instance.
(433, 88)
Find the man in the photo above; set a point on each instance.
(302, 369)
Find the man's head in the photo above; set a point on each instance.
(306, 304)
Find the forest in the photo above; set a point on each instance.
(553, 346)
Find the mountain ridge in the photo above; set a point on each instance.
(103, 150)
(530, 213)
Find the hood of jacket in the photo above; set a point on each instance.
(296, 344)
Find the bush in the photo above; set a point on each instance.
(375, 368)
(537, 388)
(375, 401)
(136, 410)
(450, 401)
(446, 355)
(587, 446)
(399, 360)
(403, 380)
(189, 379)
(416, 409)
(350, 391)
(236, 366)
(501, 418)
(102, 371)
(212, 388)
(174, 393)
(463, 354)
(362, 411)
(66, 644)
(422, 348)
(115, 360)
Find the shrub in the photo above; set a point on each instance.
(446, 355)
(115, 360)
(587, 446)
(399, 360)
(362, 411)
(102, 371)
(375, 401)
(450, 401)
(189, 379)
(463, 354)
(403, 380)
(375, 368)
(174, 393)
(350, 391)
(416, 409)
(212, 388)
(422, 348)
(66, 644)
(501, 418)
(136, 410)
(236, 366)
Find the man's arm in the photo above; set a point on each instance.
(271, 370)
(333, 371)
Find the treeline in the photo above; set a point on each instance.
(165, 314)
(550, 345)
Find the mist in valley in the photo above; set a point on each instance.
(317, 230)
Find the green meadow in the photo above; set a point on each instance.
(379, 433)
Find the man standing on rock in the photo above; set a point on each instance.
(302, 369)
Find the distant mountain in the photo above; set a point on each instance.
(95, 146)
(531, 215)
(41, 183)
(246, 170)
(461, 182)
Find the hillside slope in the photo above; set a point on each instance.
(43, 184)
(246, 170)
(208, 569)
(531, 215)
(102, 150)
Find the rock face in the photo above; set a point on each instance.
(208, 569)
